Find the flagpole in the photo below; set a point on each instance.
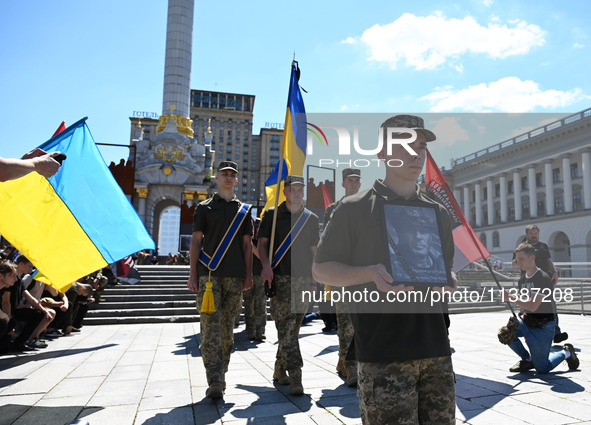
(279, 178)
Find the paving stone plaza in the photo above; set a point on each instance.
(153, 374)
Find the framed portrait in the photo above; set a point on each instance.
(414, 245)
(185, 243)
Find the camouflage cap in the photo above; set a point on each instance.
(351, 172)
(409, 121)
(289, 180)
(228, 165)
(414, 217)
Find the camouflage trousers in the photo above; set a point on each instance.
(217, 329)
(407, 393)
(288, 313)
(345, 333)
(255, 309)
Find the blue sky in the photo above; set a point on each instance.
(64, 60)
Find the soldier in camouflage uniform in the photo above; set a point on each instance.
(347, 364)
(292, 274)
(405, 373)
(255, 301)
(211, 221)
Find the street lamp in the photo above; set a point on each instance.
(208, 136)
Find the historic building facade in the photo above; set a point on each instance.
(542, 177)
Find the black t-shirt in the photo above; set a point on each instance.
(213, 217)
(297, 261)
(355, 237)
(257, 266)
(539, 282)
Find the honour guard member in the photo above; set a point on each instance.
(347, 365)
(220, 269)
(405, 373)
(289, 269)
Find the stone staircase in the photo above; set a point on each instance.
(162, 297)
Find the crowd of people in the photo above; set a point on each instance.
(34, 313)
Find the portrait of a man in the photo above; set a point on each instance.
(414, 244)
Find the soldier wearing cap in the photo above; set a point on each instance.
(291, 268)
(347, 364)
(405, 373)
(230, 276)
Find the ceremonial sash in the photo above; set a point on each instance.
(213, 262)
(291, 237)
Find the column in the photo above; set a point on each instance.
(142, 195)
(586, 159)
(467, 202)
(549, 184)
(478, 203)
(458, 196)
(533, 198)
(517, 194)
(503, 196)
(490, 207)
(567, 184)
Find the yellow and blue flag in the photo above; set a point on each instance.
(294, 140)
(75, 222)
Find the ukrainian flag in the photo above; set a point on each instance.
(75, 222)
(294, 140)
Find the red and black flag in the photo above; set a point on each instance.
(469, 248)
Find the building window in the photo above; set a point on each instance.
(221, 124)
(539, 180)
(237, 157)
(498, 189)
(237, 125)
(496, 242)
(254, 143)
(244, 190)
(483, 239)
(524, 185)
(484, 193)
(274, 155)
(574, 170)
(246, 125)
(230, 124)
(511, 213)
(497, 216)
(556, 175)
(541, 208)
(510, 187)
(253, 181)
(229, 149)
(229, 133)
(525, 210)
(253, 166)
(274, 139)
(246, 151)
(558, 207)
(254, 158)
(252, 197)
(576, 201)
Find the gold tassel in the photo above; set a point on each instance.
(208, 304)
(328, 290)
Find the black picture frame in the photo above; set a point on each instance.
(414, 242)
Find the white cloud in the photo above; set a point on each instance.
(448, 131)
(578, 46)
(349, 40)
(488, 3)
(427, 42)
(346, 108)
(509, 94)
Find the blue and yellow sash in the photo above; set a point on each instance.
(213, 262)
(291, 237)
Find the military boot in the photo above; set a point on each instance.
(295, 382)
(280, 375)
(215, 390)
